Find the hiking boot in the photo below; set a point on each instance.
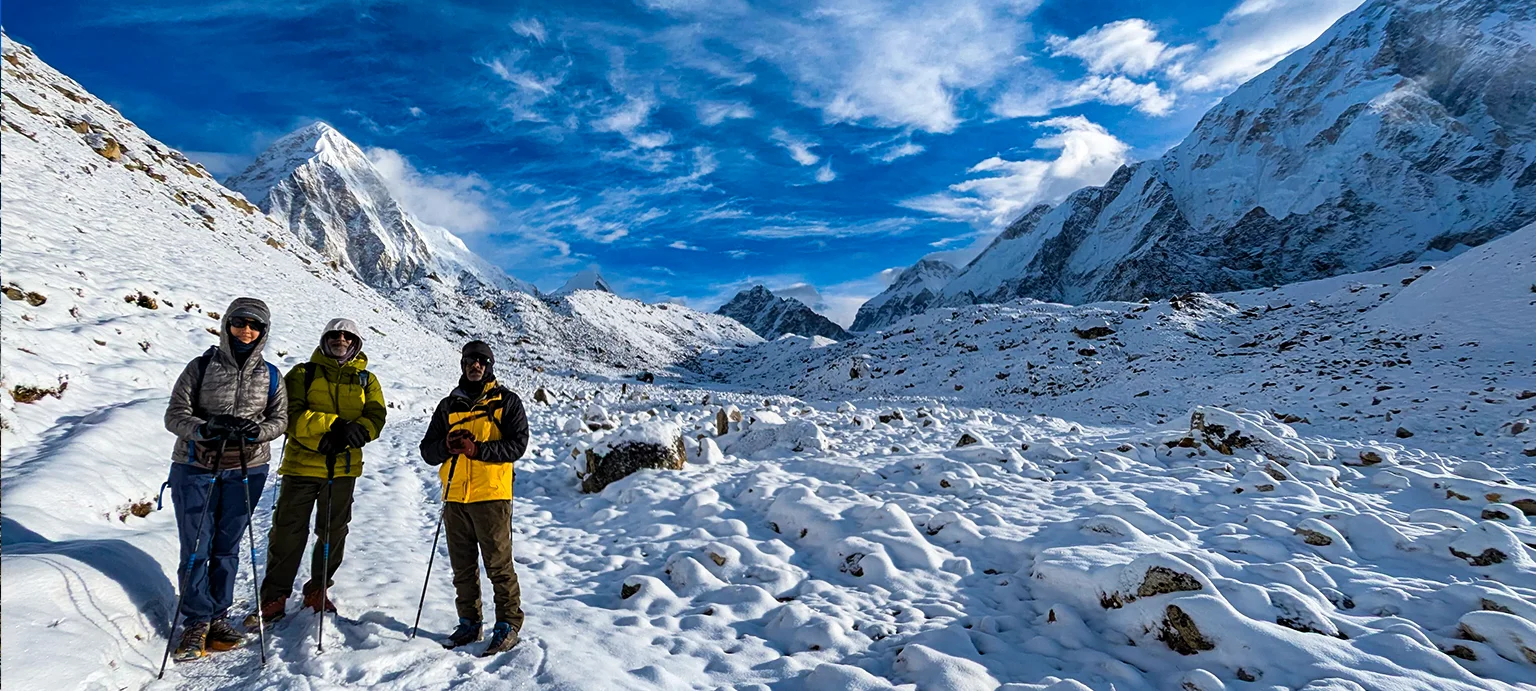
(222, 636)
(503, 638)
(312, 601)
(271, 611)
(193, 638)
(468, 632)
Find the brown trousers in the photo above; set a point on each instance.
(483, 527)
(297, 496)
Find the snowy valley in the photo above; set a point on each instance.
(1326, 485)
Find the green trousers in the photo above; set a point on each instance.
(297, 496)
(483, 528)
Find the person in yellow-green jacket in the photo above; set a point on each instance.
(476, 433)
(335, 407)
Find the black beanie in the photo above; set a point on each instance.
(480, 348)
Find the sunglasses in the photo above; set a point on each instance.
(246, 322)
(341, 336)
(468, 359)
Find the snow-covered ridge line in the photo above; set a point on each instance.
(1402, 132)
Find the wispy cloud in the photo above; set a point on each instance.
(712, 113)
(460, 203)
(680, 245)
(828, 229)
(1256, 34)
(799, 147)
(1127, 47)
(1001, 189)
(530, 28)
(825, 173)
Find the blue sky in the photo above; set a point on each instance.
(689, 148)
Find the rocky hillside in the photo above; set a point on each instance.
(771, 316)
(912, 292)
(1405, 131)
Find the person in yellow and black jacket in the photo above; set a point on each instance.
(335, 407)
(475, 435)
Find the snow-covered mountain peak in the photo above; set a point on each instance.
(912, 291)
(1403, 132)
(586, 279)
(328, 192)
(771, 316)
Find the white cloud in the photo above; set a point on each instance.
(530, 28)
(530, 88)
(629, 119)
(1256, 34)
(712, 113)
(1000, 189)
(739, 254)
(823, 229)
(901, 150)
(804, 292)
(893, 64)
(825, 173)
(681, 245)
(416, 112)
(1128, 47)
(799, 147)
(1119, 91)
(459, 203)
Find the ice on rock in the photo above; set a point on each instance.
(648, 595)
(690, 578)
(1509, 514)
(1491, 544)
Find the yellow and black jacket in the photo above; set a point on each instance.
(500, 426)
(344, 392)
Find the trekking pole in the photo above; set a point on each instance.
(250, 531)
(197, 543)
(325, 574)
(452, 465)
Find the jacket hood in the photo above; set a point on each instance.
(245, 307)
(358, 362)
(345, 326)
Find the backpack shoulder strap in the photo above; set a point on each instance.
(273, 381)
(197, 382)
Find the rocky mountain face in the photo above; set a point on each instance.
(771, 316)
(332, 197)
(1403, 132)
(912, 292)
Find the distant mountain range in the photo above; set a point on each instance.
(1406, 130)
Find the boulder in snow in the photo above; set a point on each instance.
(653, 444)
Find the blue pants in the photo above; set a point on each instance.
(209, 585)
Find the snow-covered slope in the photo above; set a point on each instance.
(771, 316)
(586, 279)
(330, 195)
(1403, 131)
(1443, 353)
(912, 292)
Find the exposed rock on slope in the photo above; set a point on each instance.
(771, 316)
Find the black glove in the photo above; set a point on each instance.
(332, 442)
(247, 429)
(354, 432)
(221, 426)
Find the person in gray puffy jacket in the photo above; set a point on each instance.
(225, 407)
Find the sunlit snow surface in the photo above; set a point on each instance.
(838, 540)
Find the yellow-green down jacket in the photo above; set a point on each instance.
(344, 392)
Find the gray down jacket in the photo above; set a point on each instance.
(228, 388)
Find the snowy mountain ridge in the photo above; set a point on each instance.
(771, 316)
(330, 194)
(912, 292)
(586, 279)
(1404, 131)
